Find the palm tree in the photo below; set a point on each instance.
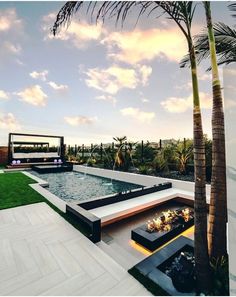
(119, 157)
(218, 204)
(182, 14)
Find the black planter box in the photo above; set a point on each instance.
(151, 267)
(154, 240)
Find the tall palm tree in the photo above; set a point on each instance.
(182, 14)
(218, 205)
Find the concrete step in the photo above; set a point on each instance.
(119, 254)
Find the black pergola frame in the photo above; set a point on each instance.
(10, 158)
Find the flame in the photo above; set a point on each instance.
(164, 222)
(168, 215)
(167, 227)
(157, 223)
(186, 214)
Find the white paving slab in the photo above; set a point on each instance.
(42, 254)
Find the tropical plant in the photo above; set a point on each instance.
(119, 156)
(144, 169)
(217, 238)
(183, 153)
(163, 158)
(147, 154)
(220, 271)
(160, 163)
(182, 14)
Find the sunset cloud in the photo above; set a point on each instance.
(11, 34)
(80, 120)
(57, 87)
(9, 20)
(39, 75)
(144, 45)
(107, 98)
(9, 122)
(80, 34)
(3, 95)
(33, 95)
(11, 47)
(138, 114)
(145, 100)
(111, 80)
(179, 105)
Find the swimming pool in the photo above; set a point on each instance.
(75, 186)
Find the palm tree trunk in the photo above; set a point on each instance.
(200, 206)
(218, 203)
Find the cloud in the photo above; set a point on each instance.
(57, 87)
(39, 75)
(144, 45)
(107, 98)
(11, 34)
(33, 95)
(114, 78)
(3, 95)
(184, 86)
(138, 114)
(145, 100)
(179, 105)
(145, 72)
(79, 34)
(80, 120)
(19, 62)
(9, 122)
(204, 76)
(13, 48)
(9, 20)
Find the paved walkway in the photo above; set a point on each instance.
(42, 254)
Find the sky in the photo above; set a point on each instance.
(94, 82)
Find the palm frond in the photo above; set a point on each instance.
(225, 40)
(65, 14)
(232, 7)
(101, 10)
(181, 12)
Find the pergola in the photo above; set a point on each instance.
(34, 157)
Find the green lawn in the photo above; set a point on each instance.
(15, 191)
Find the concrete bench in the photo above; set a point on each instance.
(117, 211)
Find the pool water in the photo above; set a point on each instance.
(75, 186)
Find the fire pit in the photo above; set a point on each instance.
(160, 230)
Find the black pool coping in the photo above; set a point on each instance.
(87, 219)
(149, 267)
(123, 196)
(154, 240)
